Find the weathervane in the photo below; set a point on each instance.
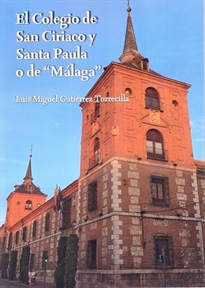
(128, 6)
(31, 151)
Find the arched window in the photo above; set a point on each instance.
(152, 99)
(28, 205)
(97, 149)
(154, 145)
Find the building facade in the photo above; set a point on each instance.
(138, 206)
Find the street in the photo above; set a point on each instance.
(10, 284)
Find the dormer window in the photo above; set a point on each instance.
(145, 64)
(28, 205)
(152, 99)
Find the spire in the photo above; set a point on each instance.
(28, 186)
(29, 170)
(130, 45)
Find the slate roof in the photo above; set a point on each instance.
(28, 186)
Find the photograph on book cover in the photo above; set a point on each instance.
(102, 103)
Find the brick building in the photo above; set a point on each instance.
(138, 205)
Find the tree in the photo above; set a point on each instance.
(4, 265)
(60, 269)
(71, 261)
(24, 262)
(12, 268)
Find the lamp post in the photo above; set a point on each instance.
(45, 267)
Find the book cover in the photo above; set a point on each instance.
(53, 52)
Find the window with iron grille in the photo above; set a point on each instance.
(92, 196)
(47, 222)
(92, 254)
(154, 145)
(28, 205)
(34, 232)
(152, 99)
(66, 222)
(24, 237)
(17, 237)
(96, 154)
(44, 259)
(160, 191)
(10, 241)
(163, 251)
(97, 149)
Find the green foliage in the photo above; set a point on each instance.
(71, 261)
(24, 262)
(60, 269)
(4, 265)
(13, 262)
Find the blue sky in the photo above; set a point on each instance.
(168, 32)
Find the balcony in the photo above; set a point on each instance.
(94, 161)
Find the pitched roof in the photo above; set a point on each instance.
(28, 186)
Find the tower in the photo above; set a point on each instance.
(25, 198)
(138, 190)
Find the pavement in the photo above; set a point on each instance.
(4, 283)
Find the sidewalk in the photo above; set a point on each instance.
(38, 284)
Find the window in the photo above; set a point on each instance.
(160, 190)
(92, 196)
(24, 233)
(163, 251)
(47, 222)
(34, 232)
(66, 212)
(175, 104)
(44, 259)
(10, 241)
(96, 112)
(152, 99)
(28, 205)
(97, 109)
(95, 159)
(92, 254)
(17, 237)
(154, 145)
(97, 149)
(128, 91)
